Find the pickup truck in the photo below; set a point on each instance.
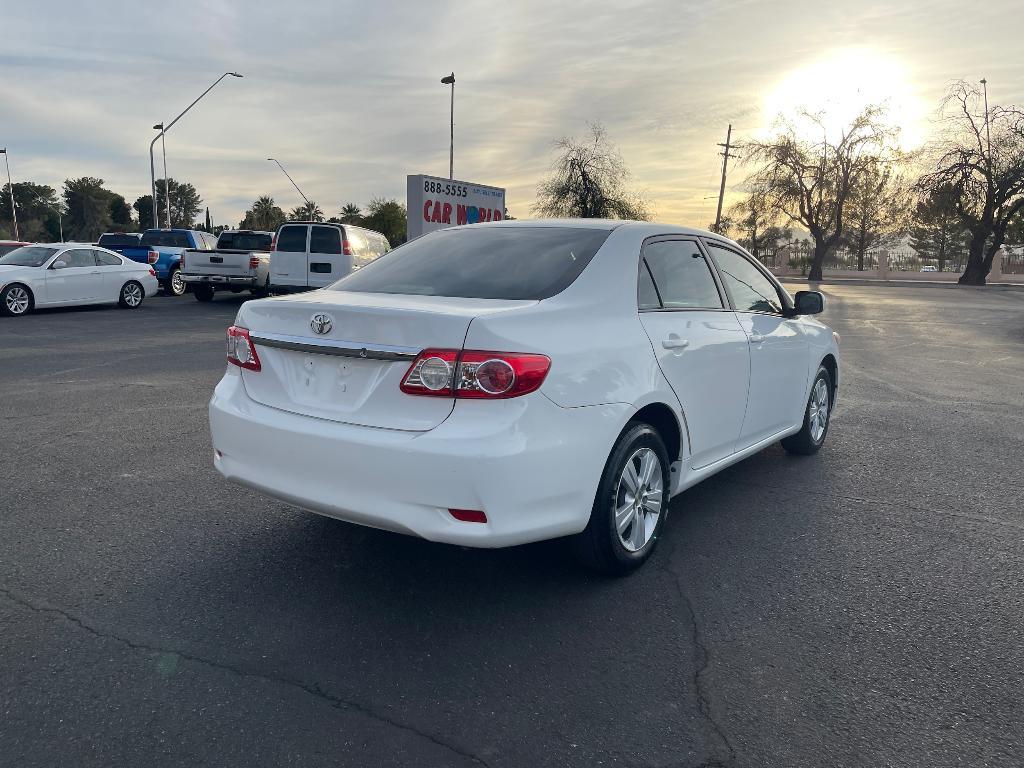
(240, 261)
(162, 248)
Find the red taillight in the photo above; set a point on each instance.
(152, 272)
(273, 242)
(475, 374)
(254, 262)
(468, 515)
(346, 248)
(153, 257)
(241, 351)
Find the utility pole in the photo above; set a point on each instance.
(725, 167)
(450, 80)
(10, 188)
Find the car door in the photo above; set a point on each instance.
(779, 352)
(78, 280)
(288, 262)
(700, 345)
(112, 272)
(327, 261)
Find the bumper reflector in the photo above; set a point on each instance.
(468, 515)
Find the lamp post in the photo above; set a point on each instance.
(167, 188)
(273, 160)
(10, 188)
(164, 130)
(450, 80)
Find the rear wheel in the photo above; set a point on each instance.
(203, 292)
(812, 434)
(132, 294)
(175, 285)
(630, 505)
(16, 300)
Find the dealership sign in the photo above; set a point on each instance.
(434, 203)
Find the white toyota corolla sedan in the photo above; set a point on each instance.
(71, 274)
(496, 384)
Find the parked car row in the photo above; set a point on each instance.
(299, 256)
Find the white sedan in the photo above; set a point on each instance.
(71, 274)
(496, 384)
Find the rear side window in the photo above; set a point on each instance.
(107, 259)
(682, 275)
(751, 291)
(292, 239)
(325, 240)
(482, 263)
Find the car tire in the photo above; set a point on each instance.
(132, 295)
(16, 300)
(203, 292)
(817, 417)
(627, 515)
(175, 286)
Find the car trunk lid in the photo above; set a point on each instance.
(342, 356)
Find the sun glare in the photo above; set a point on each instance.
(841, 84)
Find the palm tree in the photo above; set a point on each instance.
(350, 214)
(308, 212)
(264, 215)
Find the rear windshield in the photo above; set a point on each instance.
(29, 256)
(118, 241)
(482, 263)
(244, 241)
(166, 239)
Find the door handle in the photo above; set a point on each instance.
(756, 338)
(674, 342)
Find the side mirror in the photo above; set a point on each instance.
(58, 264)
(809, 303)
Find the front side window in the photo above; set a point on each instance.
(526, 263)
(292, 239)
(325, 240)
(751, 291)
(78, 258)
(681, 274)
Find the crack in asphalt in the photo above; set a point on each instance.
(703, 662)
(313, 690)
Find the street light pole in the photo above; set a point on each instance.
(988, 130)
(167, 189)
(10, 188)
(450, 80)
(164, 130)
(273, 160)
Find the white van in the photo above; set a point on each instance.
(313, 255)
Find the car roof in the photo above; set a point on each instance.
(642, 228)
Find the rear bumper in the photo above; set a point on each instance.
(247, 281)
(530, 465)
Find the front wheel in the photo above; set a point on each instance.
(175, 285)
(630, 506)
(812, 434)
(132, 294)
(16, 300)
(203, 292)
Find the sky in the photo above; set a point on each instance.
(347, 95)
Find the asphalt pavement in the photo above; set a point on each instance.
(861, 607)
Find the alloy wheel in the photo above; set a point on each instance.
(132, 294)
(177, 283)
(817, 411)
(639, 499)
(17, 300)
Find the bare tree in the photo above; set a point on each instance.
(878, 210)
(810, 183)
(757, 220)
(589, 180)
(988, 180)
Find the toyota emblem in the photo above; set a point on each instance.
(321, 323)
